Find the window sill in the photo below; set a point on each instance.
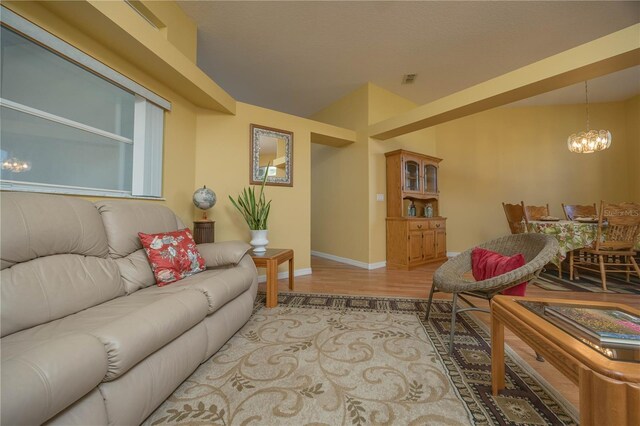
(79, 192)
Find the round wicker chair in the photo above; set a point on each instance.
(537, 249)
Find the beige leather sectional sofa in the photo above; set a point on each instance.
(87, 336)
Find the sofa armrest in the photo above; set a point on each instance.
(223, 254)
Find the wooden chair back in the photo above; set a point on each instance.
(535, 212)
(571, 211)
(515, 217)
(618, 226)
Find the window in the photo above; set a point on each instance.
(70, 124)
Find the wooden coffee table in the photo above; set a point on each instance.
(609, 389)
(270, 260)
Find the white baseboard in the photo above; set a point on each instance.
(285, 274)
(348, 261)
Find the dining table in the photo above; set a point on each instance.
(570, 234)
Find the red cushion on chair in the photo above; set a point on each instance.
(172, 255)
(487, 264)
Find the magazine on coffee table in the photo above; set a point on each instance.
(608, 326)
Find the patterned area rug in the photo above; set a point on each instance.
(338, 360)
(588, 282)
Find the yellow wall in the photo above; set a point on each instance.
(382, 105)
(222, 163)
(339, 199)
(514, 154)
(346, 219)
(180, 129)
(632, 107)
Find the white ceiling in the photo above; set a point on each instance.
(298, 57)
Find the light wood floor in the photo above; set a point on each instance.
(331, 277)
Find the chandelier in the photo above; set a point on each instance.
(591, 140)
(15, 165)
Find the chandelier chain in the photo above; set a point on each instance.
(586, 97)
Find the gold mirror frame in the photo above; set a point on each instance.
(275, 146)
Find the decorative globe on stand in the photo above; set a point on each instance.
(204, 199)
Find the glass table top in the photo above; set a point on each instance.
(613, 332)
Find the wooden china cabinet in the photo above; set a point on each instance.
(416, 233)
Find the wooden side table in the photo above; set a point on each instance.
(270, 260)
(204, 231)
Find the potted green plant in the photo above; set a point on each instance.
(255, 210)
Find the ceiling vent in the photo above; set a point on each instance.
(409, 78)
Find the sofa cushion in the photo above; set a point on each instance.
(54, 259)
(88, 410)
(38, 225)
(45, 378)
(226, 321)
(135, 271)
(132, 338)
(48, 288)
(130, 328)
(131, 398)
(218, 285)
(172, 255)
(124, 219)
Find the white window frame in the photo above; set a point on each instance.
(148, 132)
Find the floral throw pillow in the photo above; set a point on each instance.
(172, 255)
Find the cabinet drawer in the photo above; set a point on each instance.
(437, 224)
(417, 225)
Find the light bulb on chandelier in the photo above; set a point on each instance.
(591, 140)
(16, 166)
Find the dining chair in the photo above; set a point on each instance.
(536, 212)
(618, 229)
(451, 277)
(515, 217)
(571, 211)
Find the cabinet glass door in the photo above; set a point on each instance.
(430, 178)
(411, 175)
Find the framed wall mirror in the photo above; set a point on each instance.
(271, 153)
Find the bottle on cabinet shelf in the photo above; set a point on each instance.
(411, 210)
(428, 211)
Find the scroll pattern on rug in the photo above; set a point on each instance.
(300, 366)
(340, 360)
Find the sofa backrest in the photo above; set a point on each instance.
(122, 222)
(54, 259)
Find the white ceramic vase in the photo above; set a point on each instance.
(259, 240)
